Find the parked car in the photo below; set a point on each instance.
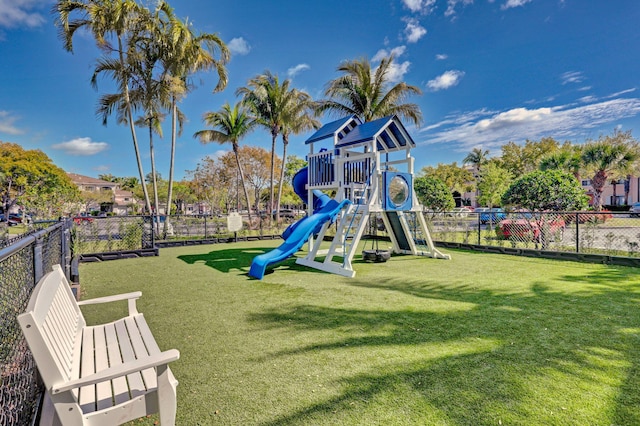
(459, 212)
(529, 230)
(12, 219)
(79, 220)
(492, 215)
(634, 210)
(288, 213)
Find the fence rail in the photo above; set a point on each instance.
(21, 266)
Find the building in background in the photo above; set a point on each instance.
(105, 197)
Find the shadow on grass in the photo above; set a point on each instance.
(547, 356)
(231, 260)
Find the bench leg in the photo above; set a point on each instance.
(167, 396)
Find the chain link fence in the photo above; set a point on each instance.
(22, 264)
(600, 233)
(112, 234)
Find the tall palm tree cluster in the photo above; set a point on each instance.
(274, 105)
(150, 55)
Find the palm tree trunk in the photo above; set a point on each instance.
(154, 181)
(274, 135)
(627, 188)
(174, 106)
(285, 142)
(133, 130)
(244, 186)
(598, 182)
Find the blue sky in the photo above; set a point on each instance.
(491, 71)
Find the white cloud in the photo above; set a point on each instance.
(414, 31)
(237, 45)
(514, 3)
(81, 147)
(397, 71)
(17, 13)
(451, 6)
(441, 56)
(588, 99)
(7, 121)
(623, 92)
(419, 6)
(445, 81)
(572, 77)
(493, 129)
(383, 53)
(293, 71)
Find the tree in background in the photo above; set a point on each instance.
(99, 197)
(297, 119)
(456, 178)
(546, 190)
(568, 158)
(433, 193)
(609, 157)
(209, 184)
(183, 195)
(368, 93)
(184, 53)
(107, 20)
(151, 61)
(542, 191)
(292, 166)
(477, 157)
(492, 184)
(268, 99)
(521, 159)
(30, 179)
(255, 161)
(230, 125)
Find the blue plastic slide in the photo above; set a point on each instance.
(298, 233)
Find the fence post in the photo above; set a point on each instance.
(38, 261)
(479, 228)
(577, 234)
(65, 249)
(205, 227)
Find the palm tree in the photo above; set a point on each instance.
(104, 18)
(477, 157)
(185, 53)
(566, 159)
(610, 156)
(297, 119)
(368, 93)
(267, 99)
(229, 126)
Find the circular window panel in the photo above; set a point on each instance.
(398, 191)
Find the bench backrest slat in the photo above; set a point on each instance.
(51, 325)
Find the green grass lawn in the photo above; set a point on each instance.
(482, 339)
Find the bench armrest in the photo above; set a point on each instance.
(131, 297)
(162, 358)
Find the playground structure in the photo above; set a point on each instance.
(369, 168)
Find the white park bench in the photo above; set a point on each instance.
(106, 374)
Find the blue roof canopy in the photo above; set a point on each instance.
(340, 127)
(389, 134)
